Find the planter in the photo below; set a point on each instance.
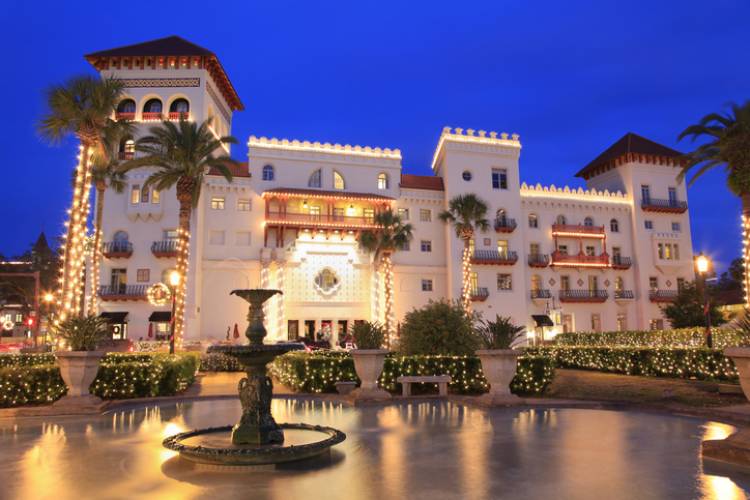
(741, 358)
(369, 365)
(78, 369)
(499, 367)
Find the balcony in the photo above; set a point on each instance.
(494, 258)
(664, 206)
(577, 231)
(538, 260)
(176, 115)
(479, 294)
(123, 292)
(126, 116)
(622, 295)
(332, 221)
(620, 262)
(151, 116)
(164, 249)
(117, 249)
(662, 296)
(505, 225)
(583, 295)
(540, 294)
(579, 260)
(126, 155)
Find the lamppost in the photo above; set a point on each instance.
(174, 281)
(702, 264)
(48, 298)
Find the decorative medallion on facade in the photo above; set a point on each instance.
(606, 283)
(160, 82)
(669, 282)
(326, 281)
(580, 282)
(552, 282)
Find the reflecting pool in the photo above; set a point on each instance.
(428, 449)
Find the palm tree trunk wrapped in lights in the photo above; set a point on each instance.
(728, 146)
(466, 278)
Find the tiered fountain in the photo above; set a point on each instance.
(256, 439)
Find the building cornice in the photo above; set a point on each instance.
(323, 148)
(505, 143)
(567, 194)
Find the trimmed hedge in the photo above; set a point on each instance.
(119, 376)
(687, 363)
(317, 373)
(681, 337)
(35, 359)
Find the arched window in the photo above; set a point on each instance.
(382, 180)
(268, 173)
(152, 109)
(120, 236)
(127, 148)
(533, 221)
(126, 109)
(501, 215)
(614, 226)
(588, 222)
(338, 180)
(179, 106)
(619, 284)
(315, 179)
(144, 194)
(561, 219)
(120, 242)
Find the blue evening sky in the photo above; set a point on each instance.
(570, 77)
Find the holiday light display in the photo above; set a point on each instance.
(746, 258)
(158, 294)
(466, 279)
(678, 337)
(390, 314)
(180, 291)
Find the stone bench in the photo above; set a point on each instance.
(406, 381)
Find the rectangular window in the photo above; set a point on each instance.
(672, 192)
(593, 283)
(596, 323)
(144, 195)
(680, 283)
(406, 246)
(216, 237)
(143, 275)
(565, 283)
(653, 283)
(425, 215)
(217, 203)
(675, 252)
(314, 210)
(118, 280)
(622, 322)
(590, 251)
(155, 197)
(425, 246)
(243, 205)
(403, 213)
(499, 178)
(676, 227)
(504, 282)
(169, 234)
(533, 221)
(563, 249)
(645, 193)
(615, 251)
(368, 213)
(135, 194)
(502, 248)
(242, 239)
(567, 323)
(534, 249)
(472, 246)
(648, 224)
(426, 285)
(474, 281)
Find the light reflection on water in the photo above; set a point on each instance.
(424, 450)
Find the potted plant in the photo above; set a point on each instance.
(79, 365)
(741, 353)
(498, 358)
(368, 360)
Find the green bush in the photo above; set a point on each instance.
(218, 362)
(682, 337)
(439, 328)
(36, 359)
(688, 363)
(30, 384)
(305, 372)
(368, 335)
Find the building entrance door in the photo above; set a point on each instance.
(310, 329)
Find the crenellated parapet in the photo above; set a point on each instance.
(323, 147)
(481, 140)
(573, 194)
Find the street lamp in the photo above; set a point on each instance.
(702, 264)
(174, 281)
(48, 298)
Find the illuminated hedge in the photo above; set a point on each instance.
(22, 385)
(317, 373)
(688, 363)
(35, 359)
(681, 337)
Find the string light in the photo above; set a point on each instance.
(746, 258)
(390, 314)
(466, 279)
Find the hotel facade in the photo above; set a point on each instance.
(606, 257)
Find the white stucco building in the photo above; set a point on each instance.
(603, 258)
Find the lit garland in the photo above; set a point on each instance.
(746, 258)
(158, 294)
(390, 314)
(466, 279)
(279, 300)
(183, 255)
(679, 337)
(96, 256)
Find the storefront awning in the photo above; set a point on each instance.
(160, 317)
(542, 320)
(114, 317)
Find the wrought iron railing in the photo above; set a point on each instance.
(584, 295)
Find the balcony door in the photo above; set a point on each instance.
(118, 280)
(672, 197)
(593, 284)
(502, 248)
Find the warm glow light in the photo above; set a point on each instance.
(702, 263)
(174, 278)
(48, 297)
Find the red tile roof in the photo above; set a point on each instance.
(432, 182)
(239, 170)
(172, 46)
(631, 147)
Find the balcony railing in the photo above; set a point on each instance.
(164, 248)
(130, 116)
(505, 225)
(320, 220)
(538, 260)
(123, 292)
(579, 260)
(176, 115)
(117, 249)
(151, 116)
(668, 206)
(479, 294)
(541, 294)
(493, 257)
(620, 262)
(583, 295)
(662, 295)
(578, 230)
(624, 295)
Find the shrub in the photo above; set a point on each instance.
(689, 363)
(81, 333)
(368, 335)
(36, 359)
(30, 384)
(218, 362)
(682, 337)
(439, 328)
(499, 334)
(305, 372)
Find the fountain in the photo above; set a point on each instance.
(256, 439)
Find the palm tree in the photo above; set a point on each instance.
(728, 146)
(181, 154)
(105, 173)
(467, 213)
(81, 107)
(391, 235)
